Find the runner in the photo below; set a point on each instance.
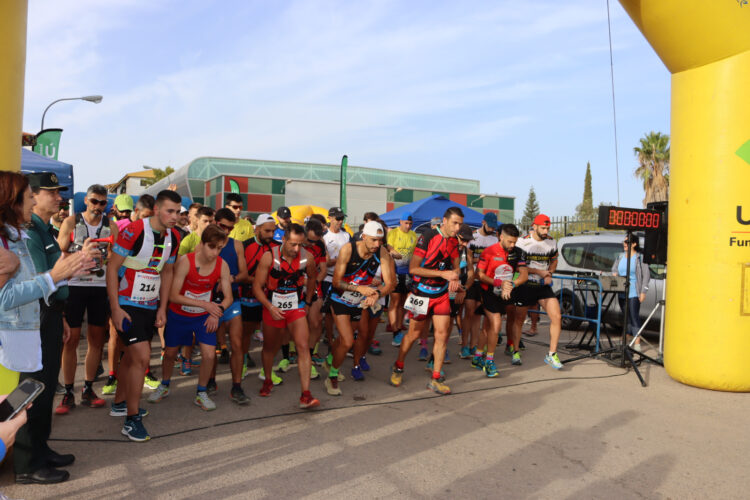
(354, 294)
(285, 218)
(193, 216)
(192, 312)
(541, 256)
(144, 253)
(288, 350)
(335, 238)
(204, 217)
(496, 271)
(285, 301)
(435, 268)
(87, 297)
(401, 243)
(315, 246)
(243, 229)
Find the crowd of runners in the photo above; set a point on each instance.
(207, 282)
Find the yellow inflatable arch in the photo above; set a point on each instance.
(301, 212)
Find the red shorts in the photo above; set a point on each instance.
(289, 317)
(438, 306)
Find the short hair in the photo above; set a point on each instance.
(232, 197)
(205, 212)
(168, 195)
(213, 234)
(510, 230)
(96, 189)
(294, 228)
(225, 214)
(146, 201)
(370, 216)
(320, 218)
(453, 211)
(315, 226)
(195, 205)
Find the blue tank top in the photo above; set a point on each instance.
(229, 254)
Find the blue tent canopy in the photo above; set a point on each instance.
(32, 163)
(434, 206)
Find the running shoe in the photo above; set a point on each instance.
(490, 369)
(332, 386)
(121, 410)
(275, 378)
(397, 339)
(423, 354)
(430, 367)
(477, 362)
(284, 365)
(509, 350)
(202, 400)
(396, 376)
(516, 359)
(238, 396)
(317, 360)
(306, 401)
(258, 335)
(224, 356)
(292, 358)
(314, 375)
(211, 387)
(553, 361)
(150, 382)
(447, 359)
(637, 347)
(160, 393)
(357, 374)
(134, 429)
(99, 371)
(439, 386)
(111, 386)
(68, 403)
(186, 367)
(59, 389)
(465, 353)
(350, 352)
(521, 345)
(265, 391)
(363, 364)
(499, 339)
(90, 399)
(375, 348)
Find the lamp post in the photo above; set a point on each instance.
(476, 200)
(96, 99)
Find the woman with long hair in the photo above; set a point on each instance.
(640, 277)
(21, 289)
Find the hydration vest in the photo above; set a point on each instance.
(144, 256)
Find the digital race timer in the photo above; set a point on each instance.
(628, 218)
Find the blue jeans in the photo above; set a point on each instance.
(634, 310)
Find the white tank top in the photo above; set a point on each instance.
(91, 279)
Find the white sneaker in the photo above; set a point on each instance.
(258, 336)
(202, 400)
(159, 393)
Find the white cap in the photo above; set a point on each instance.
(263, 218)
(374, 229)
(183, 209)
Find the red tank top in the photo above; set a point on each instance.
(284, 277)
(197, 286)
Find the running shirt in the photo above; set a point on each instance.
(358, 271)
(334, 242)
(197, 286)
(479, 243)
(140, 288)
(278, 234)
(437, 252)
(318, 251)
(81, 231)
(540, 255)
(229, 254)
(496, 263)
(286, 281)
(243, 230)
(254, 250)
(404, 244)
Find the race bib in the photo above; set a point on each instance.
(417, 305)
(505, 273)
(352, 298)
(197, 296)
(145, 287)
(285, 301)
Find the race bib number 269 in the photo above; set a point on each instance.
(417, 305)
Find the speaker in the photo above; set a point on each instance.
(655, 249)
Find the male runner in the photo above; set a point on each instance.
(541, 256)
(285, 218)
(193, 216)
(243, 229)
(144, 253)
(192, 312)
(335, 238)
(435, 268)
(401, 244)
(288, 350)
(284, 271)
(353, 294)
(204, 217)
(496, 271)
(87, 296)
(315, 246)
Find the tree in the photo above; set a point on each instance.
(653, 166)
(531, 210)
(159, 174)
(585, 210)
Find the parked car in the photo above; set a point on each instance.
(596, 253)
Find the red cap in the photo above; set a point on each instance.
(542, 220)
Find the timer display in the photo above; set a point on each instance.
(628, 218)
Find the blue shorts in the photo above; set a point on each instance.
(232, 311)
(180, 329)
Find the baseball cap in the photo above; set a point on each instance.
(465, 232)
(435, 221)
(373, 229)
(183, 209)
(284, 213)
(541, 220)
(263, 218)
(44, 180)
(491, 219)
(336, 212)
(405, 216)
(124, 202)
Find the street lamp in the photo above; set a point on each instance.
(96, 99)
(476, 200)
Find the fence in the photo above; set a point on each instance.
(563, 226)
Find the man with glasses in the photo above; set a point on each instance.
(87, 296)
(400, 244)
(243, 229)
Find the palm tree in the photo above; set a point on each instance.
(653, 166)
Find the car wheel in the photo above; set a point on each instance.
(572, 307)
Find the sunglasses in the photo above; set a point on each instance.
(235, 207)
(98, 202)
(226, 227)
(339, 219)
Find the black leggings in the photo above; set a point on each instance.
(634, 310)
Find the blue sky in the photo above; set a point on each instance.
(512, 93)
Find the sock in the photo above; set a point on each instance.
(306, 394)
(112, 374)
(201, 388)
(87, 385)
(285, 351)
(68, 387)
(478, 353)
(399, 365)
(236, 385)
(134, 417)
(490, 357)
(550, 353)
(423, 342)
(329, 359)
(334, 373)
(165, 383)
(435, 375)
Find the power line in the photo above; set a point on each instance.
(614, 109)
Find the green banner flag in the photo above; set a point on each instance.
(342, 192)
(48, 142)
